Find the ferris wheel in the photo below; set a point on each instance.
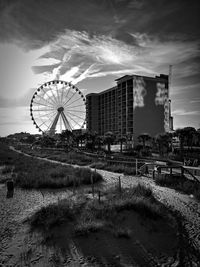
(57, 106)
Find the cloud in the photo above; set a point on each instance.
(182, 112)
(195, 101)
(84, 56)
(178, 89)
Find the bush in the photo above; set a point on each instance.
(90, 216)
(98, 165)
(49, 216)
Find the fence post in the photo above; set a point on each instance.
(153, 174)
(171, 172)
(99, 193)
(10, 185)
(136, 166)
(120, 186)
(92, 182)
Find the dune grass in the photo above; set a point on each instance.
(119, 168)
(81, 159)
(88, 216)
(71, 157)
(35, 173)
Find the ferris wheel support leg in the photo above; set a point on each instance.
(53, 127)
(66, 122)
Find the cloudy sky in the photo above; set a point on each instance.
(93, 42)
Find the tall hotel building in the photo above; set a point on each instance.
(136, 105)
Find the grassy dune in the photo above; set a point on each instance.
(33, 173)
(92, 215)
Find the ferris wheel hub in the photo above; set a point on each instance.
(60, 109)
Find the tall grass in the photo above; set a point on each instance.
(34, 173)
(71, 157)
(91, 216)
(120, 168)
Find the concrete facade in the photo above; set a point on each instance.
(136, 105)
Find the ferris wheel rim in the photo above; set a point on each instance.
(58, 103)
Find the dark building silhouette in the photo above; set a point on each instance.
(136, 105)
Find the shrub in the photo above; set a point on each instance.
(98, 165)
(90, 216)
(49, 216)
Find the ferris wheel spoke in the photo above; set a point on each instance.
(70, 98)
(50, 124)
(76, 123)
(67, 95)
(82, 105)
(43, 124)
(52, 116)
(46, 115)
(47, 119)
(52, 102)
(56, 100)
(58, 97)
(74, 101)
(41, 104)
(74, 110)
(43, 109)
(64, 86)
(76, 116)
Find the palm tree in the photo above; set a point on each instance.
(189, 136)
(99, 141)
(144, 138)
(197, 138)
(90, 139)
(67, 137)
(181, 134)
(121, 140)
(109, 138)
(164, 142)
